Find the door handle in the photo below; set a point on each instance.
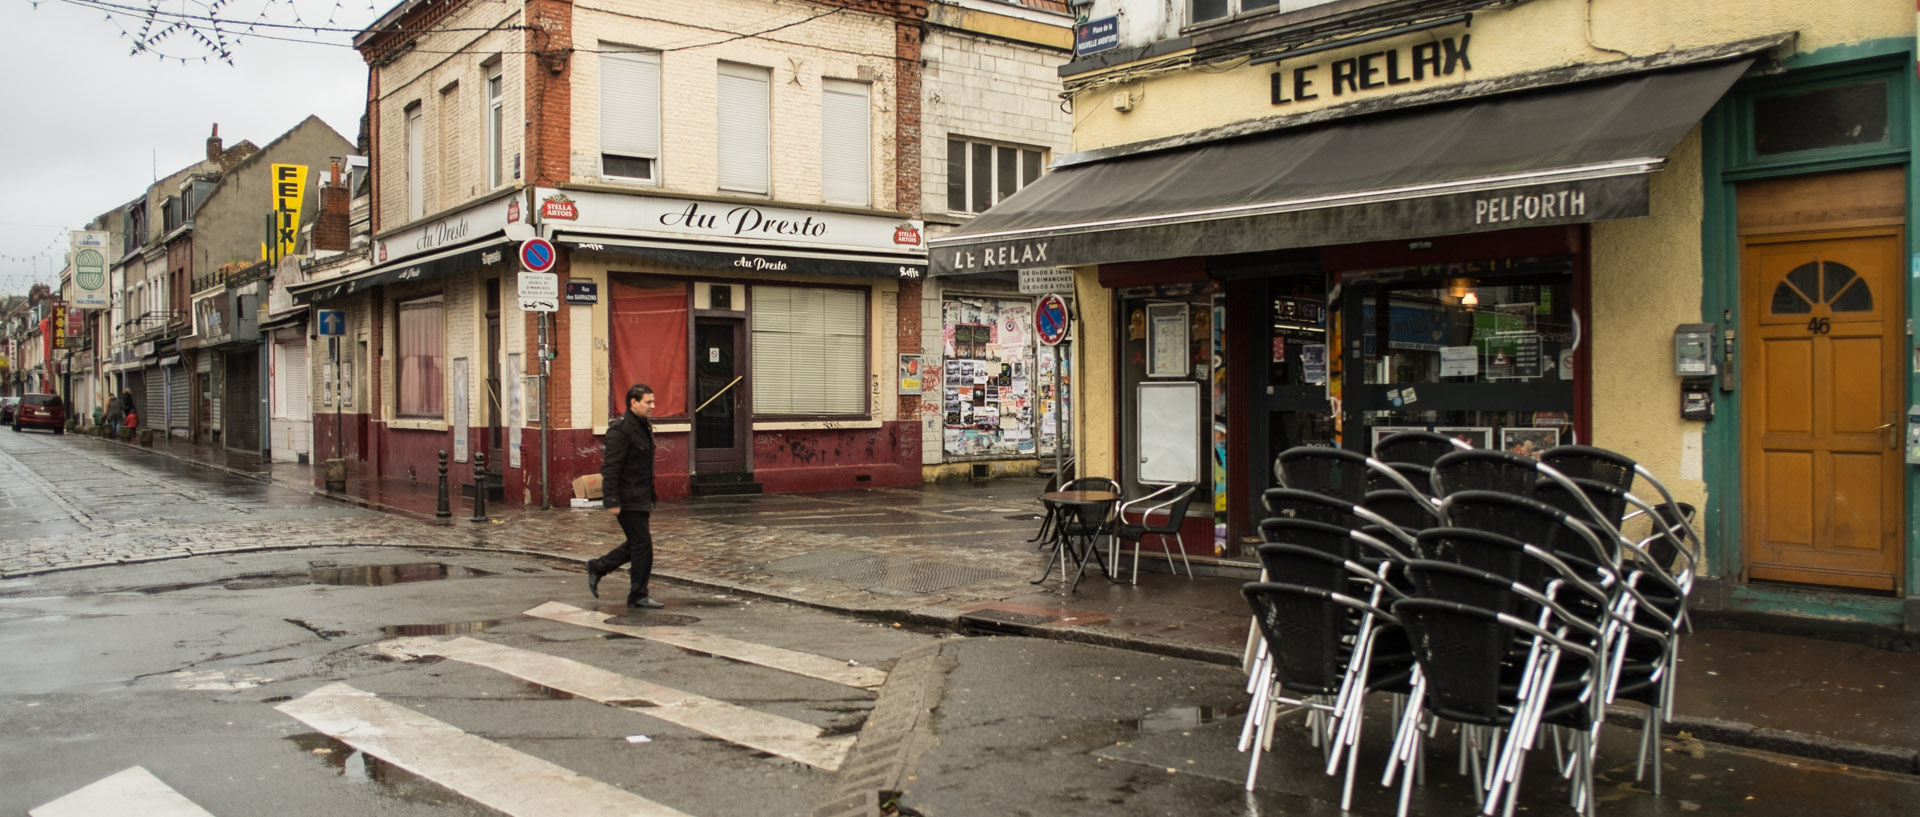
(1893, 437)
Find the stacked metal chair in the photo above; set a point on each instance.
(1493, 591)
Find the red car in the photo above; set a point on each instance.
(41, 411)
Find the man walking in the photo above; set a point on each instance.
(626, 487)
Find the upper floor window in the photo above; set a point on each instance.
(745, 137)
(980, 174)
(416, 163)
(495, 125)
(1204, 10)
(630, 115)
(1829, 117)
(846, 139)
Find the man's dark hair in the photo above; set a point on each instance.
(638, 391)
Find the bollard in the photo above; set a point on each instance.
(480, 487)
(335, 474)
(443, 510)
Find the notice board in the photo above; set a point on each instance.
(1169, 433)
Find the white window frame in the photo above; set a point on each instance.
(846, 142)
(1235, 8)
(810, 347)
(991, 177)
(495, 124)
(416, 163)
(630, 111)
(744, 143)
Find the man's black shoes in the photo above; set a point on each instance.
(646, 602)
(593, 580)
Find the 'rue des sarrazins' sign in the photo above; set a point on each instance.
(1415, 62)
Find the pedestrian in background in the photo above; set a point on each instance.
(132, 420)
(626, 488)
(116, 415)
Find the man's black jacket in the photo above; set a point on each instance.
(626, 473)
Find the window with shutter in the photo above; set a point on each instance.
(846, 139)
(630, 115)
(809, 352)
(290, 381)
(416, 164)
(745, 118)
(495, 124)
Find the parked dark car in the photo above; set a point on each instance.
(41, 411)
(7, 406)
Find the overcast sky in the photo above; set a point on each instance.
(88, 125)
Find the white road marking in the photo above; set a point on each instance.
(134, 791)
(495, 776)
(785, 737)
(798, 663)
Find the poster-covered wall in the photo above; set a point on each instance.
(989, 379)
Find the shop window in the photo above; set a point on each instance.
(1834, 116)
(1172, 338)
(809, 352)
(1481, 351)
(420, 347)
(980, 174)
(648, 325)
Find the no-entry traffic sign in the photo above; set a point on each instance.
(1050, 319)
(536, 255)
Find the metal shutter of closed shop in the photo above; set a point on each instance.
(152, 406)
(744, 139)
(290, 381)
(846, 136)
(243, 401)
(178, 400)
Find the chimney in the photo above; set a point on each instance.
(214, 150)
(330, 231)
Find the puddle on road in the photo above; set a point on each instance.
(358, 766)
(383, 575)
(1175, 719)
(449, 628)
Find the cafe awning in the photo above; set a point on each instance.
(738, 258)
(1570, 154)
(463, 258)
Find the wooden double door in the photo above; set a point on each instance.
(1822, 408)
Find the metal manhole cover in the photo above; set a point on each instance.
(882, 573)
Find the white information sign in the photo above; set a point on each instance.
(540, 285)
(1044, 281)
(1459, 361)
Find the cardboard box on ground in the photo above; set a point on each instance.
(586, 491)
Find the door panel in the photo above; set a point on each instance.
(1822, 494)
(720, 425)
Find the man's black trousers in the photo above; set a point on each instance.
(638, 548)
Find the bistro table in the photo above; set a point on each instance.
(1079, 519)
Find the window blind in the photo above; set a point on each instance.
(744, 119)
(846, 139)
(630, 105)
(809, 351)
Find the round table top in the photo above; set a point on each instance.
(1079, 496)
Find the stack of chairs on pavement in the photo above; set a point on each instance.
(1511, 598)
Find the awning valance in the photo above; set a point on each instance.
(1568, 155)
(743, 259)
(463, 258)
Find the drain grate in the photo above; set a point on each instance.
(882, 573)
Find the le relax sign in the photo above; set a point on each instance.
(1408, 64)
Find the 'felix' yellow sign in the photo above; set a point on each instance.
(289, 191)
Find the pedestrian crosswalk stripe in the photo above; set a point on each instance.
(766, 732)
(495, 776)
(747, 652)
(134, 791)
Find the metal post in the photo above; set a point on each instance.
(546, 412)
(333, 344)
(1059, 443)
(444, 509)
(480, 486)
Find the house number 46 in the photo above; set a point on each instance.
(1820, 326)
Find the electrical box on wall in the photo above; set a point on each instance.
(1693, 350)
(1913, 435)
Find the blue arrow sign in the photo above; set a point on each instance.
(333, 322)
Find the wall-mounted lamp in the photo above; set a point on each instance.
(1469, 299)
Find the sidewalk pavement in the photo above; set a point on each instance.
(957, 555)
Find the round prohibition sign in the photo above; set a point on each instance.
(1050, 319)
(536, 255)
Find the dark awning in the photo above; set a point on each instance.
(464, 258)
(1568, 155)
(763, 259)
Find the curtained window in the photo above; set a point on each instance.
(421, 350)
(649, 330)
